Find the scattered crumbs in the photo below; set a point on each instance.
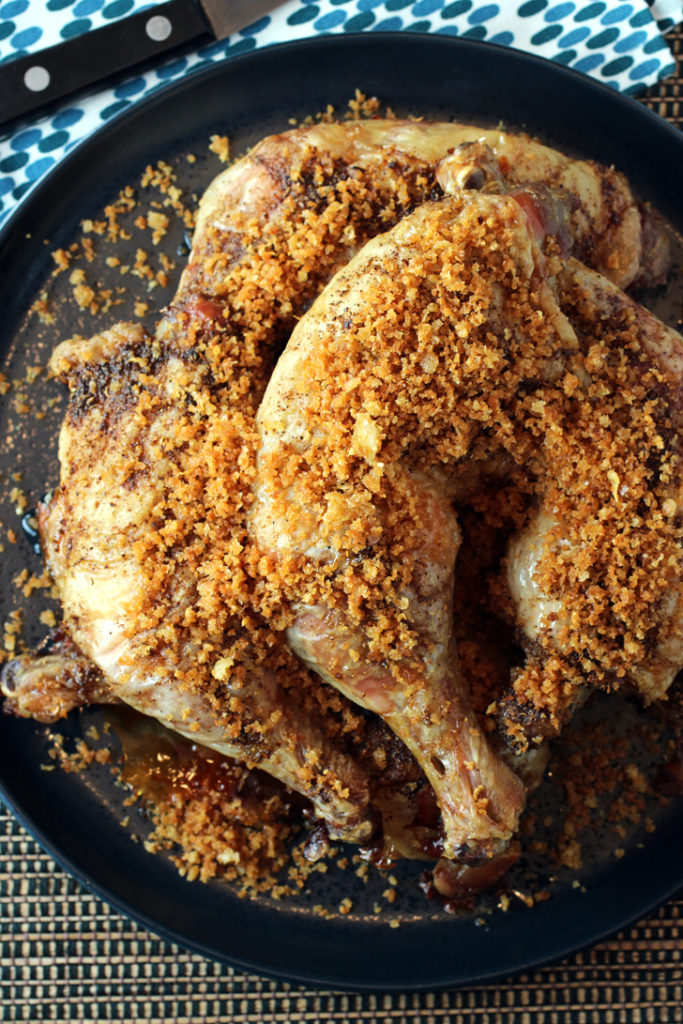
(62, 260)
(158, 222)
(394, 923)
(12, 632)
(605, 791)
(41, 308)
(569, 853)
(28, 582)
(19, 499)
(389, 895)
(220, 145)
(363, 871)
(21, 403)
(362, 106)
(80, 758)
(85, 297)
(345, 906)
(524, 897)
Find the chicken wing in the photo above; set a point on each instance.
(53, 681)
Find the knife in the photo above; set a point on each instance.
(34, 80)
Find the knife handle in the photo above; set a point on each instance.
(35, 80)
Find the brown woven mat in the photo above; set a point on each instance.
(66, 956)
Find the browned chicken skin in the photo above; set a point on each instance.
(147, 536)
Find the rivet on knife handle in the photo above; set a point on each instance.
(35, 80)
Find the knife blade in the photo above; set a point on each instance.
(36, 80)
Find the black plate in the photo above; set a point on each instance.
(78, 820)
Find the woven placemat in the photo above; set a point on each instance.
(66, 956)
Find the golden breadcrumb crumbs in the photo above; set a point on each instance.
(220, 145)
(42, 309)
(362, 106)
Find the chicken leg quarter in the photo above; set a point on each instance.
(458, 343)
(372, 412)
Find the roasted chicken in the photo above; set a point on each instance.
(204, 561)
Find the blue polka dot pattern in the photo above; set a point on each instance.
(559, 12)
(87, 7)
(14, 8)
(621, 44)
(23, 40)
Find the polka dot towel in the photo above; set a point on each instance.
(619, 42)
